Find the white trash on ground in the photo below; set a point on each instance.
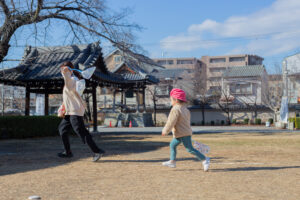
(202, 148)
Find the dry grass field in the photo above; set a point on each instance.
(243, 167)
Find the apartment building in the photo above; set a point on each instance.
(195, 70)
(216, 66)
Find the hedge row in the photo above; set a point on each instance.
(28, 126)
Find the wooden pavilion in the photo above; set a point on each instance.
(39, 72)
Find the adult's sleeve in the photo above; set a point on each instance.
(69, 82)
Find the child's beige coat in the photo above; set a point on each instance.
(178, 121)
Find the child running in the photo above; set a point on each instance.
(179, 122)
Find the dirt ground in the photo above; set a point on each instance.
(243, 167)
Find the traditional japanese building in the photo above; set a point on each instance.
(39, 72)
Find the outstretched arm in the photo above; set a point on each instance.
(69, 82)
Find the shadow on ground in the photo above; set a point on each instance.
(254, 168)
(156, 160)
(18, 156)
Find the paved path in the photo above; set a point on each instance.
(196, 129)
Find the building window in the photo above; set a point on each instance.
(163, 90)
(103, 90)
(217, 69)
(215, 79)
(241, 88)
(118, 58)
(236, 59)
(217, 60)
(215, 90)
(184, 62)
(170, 62)
(162, 62)
(165, 62)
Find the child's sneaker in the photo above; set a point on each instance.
(169, 164)
(206, 164)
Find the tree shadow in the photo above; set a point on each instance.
(18, 156)
(253, 168)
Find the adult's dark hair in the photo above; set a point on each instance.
(70, 64)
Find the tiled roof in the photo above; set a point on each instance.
(168, 73)
(244, 71)
(42, 64)
(140, 73)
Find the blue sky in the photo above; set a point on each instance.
(194, 28)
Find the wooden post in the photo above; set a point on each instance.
(122, 100)
(122, 97)
(125, 98)
(144, 100)
(46, 104)
(94, 108)
(114, 101)
(27, 101)
(137, 102)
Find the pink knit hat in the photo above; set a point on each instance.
(178, 94)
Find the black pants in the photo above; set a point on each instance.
(77, 123)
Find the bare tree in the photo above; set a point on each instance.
(153, 93)
(202, 99)
(83, 19)
(222, 97)
(273, 95)
(186, 83)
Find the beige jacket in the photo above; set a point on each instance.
(179, 122)
(73, 102)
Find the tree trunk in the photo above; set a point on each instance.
(228, 117)
(203, 114)
(154, 104)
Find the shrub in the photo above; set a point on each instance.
(222, 122)
(292, 119)
(270, 120)
(212, 123)
(234, 121)
(257, 121)
(28, 126)
(246, 121)
(193, 124)
(297, 122)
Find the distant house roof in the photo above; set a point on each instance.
(137, 62)
(275, 77)
(42, 64)
(244, 71)
(168, 73)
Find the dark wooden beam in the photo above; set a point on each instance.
(46, 104)
(27, 101)
(144, 100)
(44, 91)
(94, 108)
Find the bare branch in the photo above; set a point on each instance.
(4, 7)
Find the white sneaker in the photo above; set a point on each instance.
(169, 164)
(206, 164)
